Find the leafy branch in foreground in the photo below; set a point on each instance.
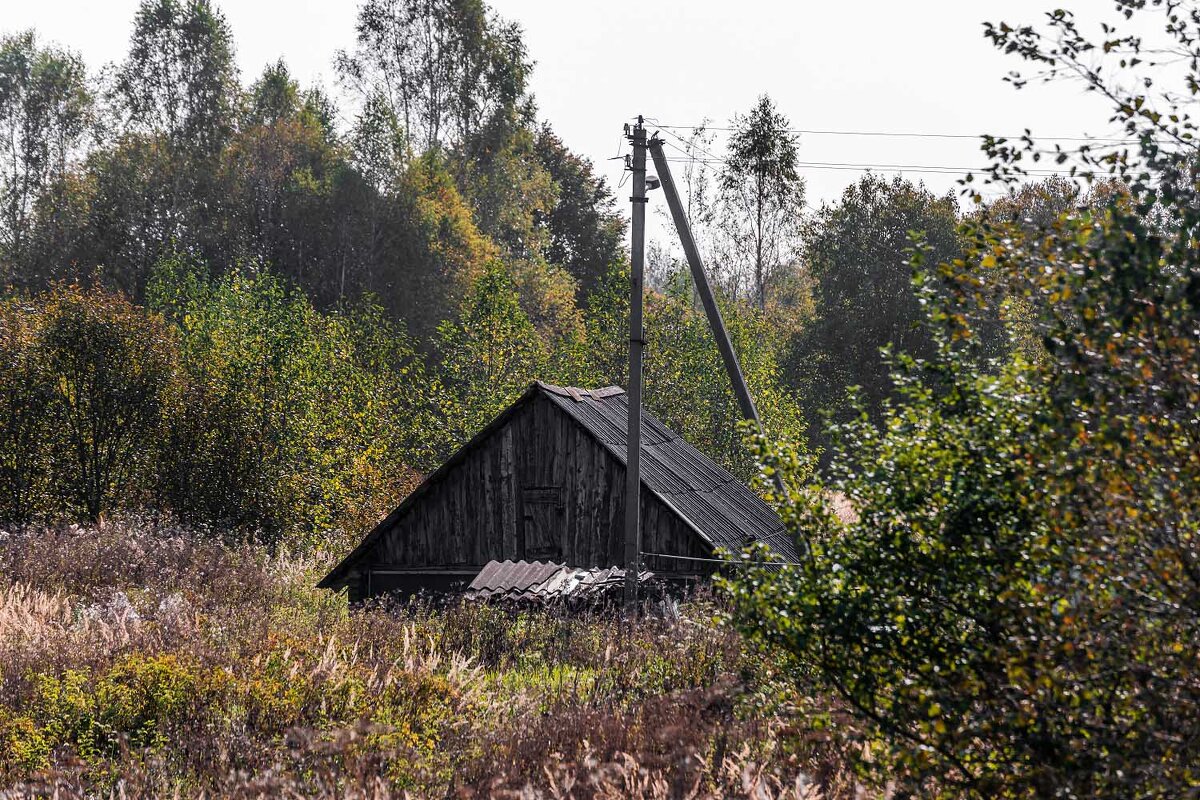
(1013, 609)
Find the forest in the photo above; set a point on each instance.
(240, 318)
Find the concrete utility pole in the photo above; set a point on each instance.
(732, 367)
(637, 341)
(700, 278)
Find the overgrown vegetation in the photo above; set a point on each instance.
(286, 321)
(1013, 611)
(240, 321)
(147, 654)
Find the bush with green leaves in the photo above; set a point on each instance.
(487, 355)
(25, 469)
(85, 381)
(293, 421)
(1014, 607)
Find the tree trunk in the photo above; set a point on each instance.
(758, 251)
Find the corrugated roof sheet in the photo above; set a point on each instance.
(705, 494)
(545, 583)
(508, 577)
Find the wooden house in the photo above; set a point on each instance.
(545, 481)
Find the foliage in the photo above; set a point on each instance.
(26, 465)
(907, 609)
(87, 378)
(244, 407)
(113, 369)
(486, 357)
(445, 67)
(499, 171)
(179, 78)
(283, 178)
(380, 150)
(44, 111)
(862, 285)
(584, 230)
(761, 185)
(440, 253)
(292, 420)
(686, 385)
(1012, 610)
(184, 160)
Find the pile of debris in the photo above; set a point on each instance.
(545, 583)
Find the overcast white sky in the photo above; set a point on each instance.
(873, 65)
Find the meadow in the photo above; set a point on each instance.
(140, 658)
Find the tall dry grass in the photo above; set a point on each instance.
(141, 659)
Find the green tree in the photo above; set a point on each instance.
(294, 421)
(433, 251)
(26, 430)
(380, 156)
(1012, 610)
(274, 97)
(446, 67)
(156, 185)
(584, 230)
(287, 191)
(125, 215)
(380, 150)
(764, 195)
(45, 107)
(111, 367)
(500, 174)
(179, 78)
(487, 355)
(857, 253)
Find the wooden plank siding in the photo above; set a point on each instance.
(545, 480)
(540, 480)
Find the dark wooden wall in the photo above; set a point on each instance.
(538, 488)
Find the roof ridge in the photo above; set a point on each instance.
(579, 394)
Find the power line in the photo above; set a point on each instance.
(710, 161)
(934, 169)
(711, 560)
(912, 134)
(942, 169)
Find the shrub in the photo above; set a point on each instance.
(139, 702)
(114, 366)
(25, 394)
(1014, 611)
(293, 421)
(86, 378)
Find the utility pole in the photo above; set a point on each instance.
(700, 278)
(637, 341)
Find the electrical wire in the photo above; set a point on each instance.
(725, 560)
(937, 169)
(912, 134)
(933, 169)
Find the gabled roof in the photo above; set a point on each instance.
(715, 504)
(719, 506)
